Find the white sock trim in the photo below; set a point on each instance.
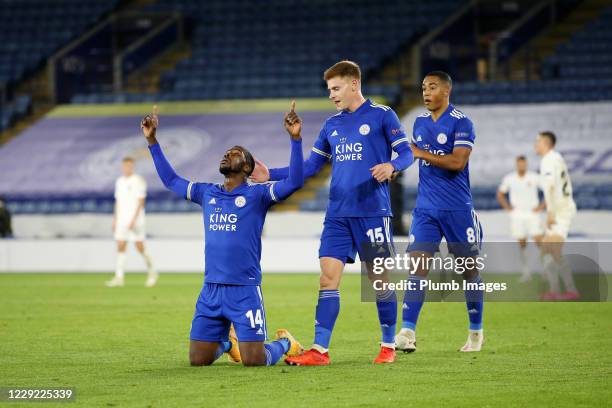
(320, 348)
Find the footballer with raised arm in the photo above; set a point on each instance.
(359, 141)
(442, 140)
(234, 214)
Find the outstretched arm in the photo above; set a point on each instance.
(311, 167)
(321, 153)
(295, 180)
(285, 187)
(165, 171)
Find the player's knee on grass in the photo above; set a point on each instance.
(252, 353)
(331, 273)
(202, 353)
(198, 361)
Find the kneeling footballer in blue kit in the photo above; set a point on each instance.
(234, 213)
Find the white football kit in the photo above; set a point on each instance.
(128, 192)
(523, 191)
(557, 187)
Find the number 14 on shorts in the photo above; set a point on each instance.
(255, 318)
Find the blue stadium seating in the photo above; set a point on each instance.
(30, 32)
(15, 109)
(580, 70)
(245, 49)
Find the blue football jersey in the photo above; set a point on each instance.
(233, 223)
(233, 220)
(355, 142)
(440, 188)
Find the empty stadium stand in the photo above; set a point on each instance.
(30, 32)
(244, 49)
(580, 70)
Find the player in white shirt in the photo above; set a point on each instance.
(129, 221)
(560, 209)
(524, 207)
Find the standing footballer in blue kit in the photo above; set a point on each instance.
(442, 140)
(234, 213)
(359, 141)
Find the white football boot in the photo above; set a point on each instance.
(116, 282)
(474, 341)
(405, 341)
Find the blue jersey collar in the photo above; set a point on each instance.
(238, 189)
(448, 110)
(362, 107)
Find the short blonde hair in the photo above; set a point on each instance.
(344, 68)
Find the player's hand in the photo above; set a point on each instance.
(261, 173)
(550, 220)
(132, 225)
(293, 123)
(149, 124)
(382, 172)
(416, 152)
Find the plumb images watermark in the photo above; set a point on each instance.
(447, 272)
(421, 284)
(38, 394)
(410, 264)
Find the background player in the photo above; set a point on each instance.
(234, 214)
(524, 207)
(442, 139)
(560, 210)
(359, 140)
(129, 221)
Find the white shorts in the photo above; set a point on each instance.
(525, 224)
(136, 234)
(562, 224)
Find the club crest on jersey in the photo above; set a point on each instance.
(240, 201)
(442, 138)
(364, 129)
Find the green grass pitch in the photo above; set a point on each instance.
(127, 347)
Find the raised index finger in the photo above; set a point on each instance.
(155, 110)
(292, 106)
